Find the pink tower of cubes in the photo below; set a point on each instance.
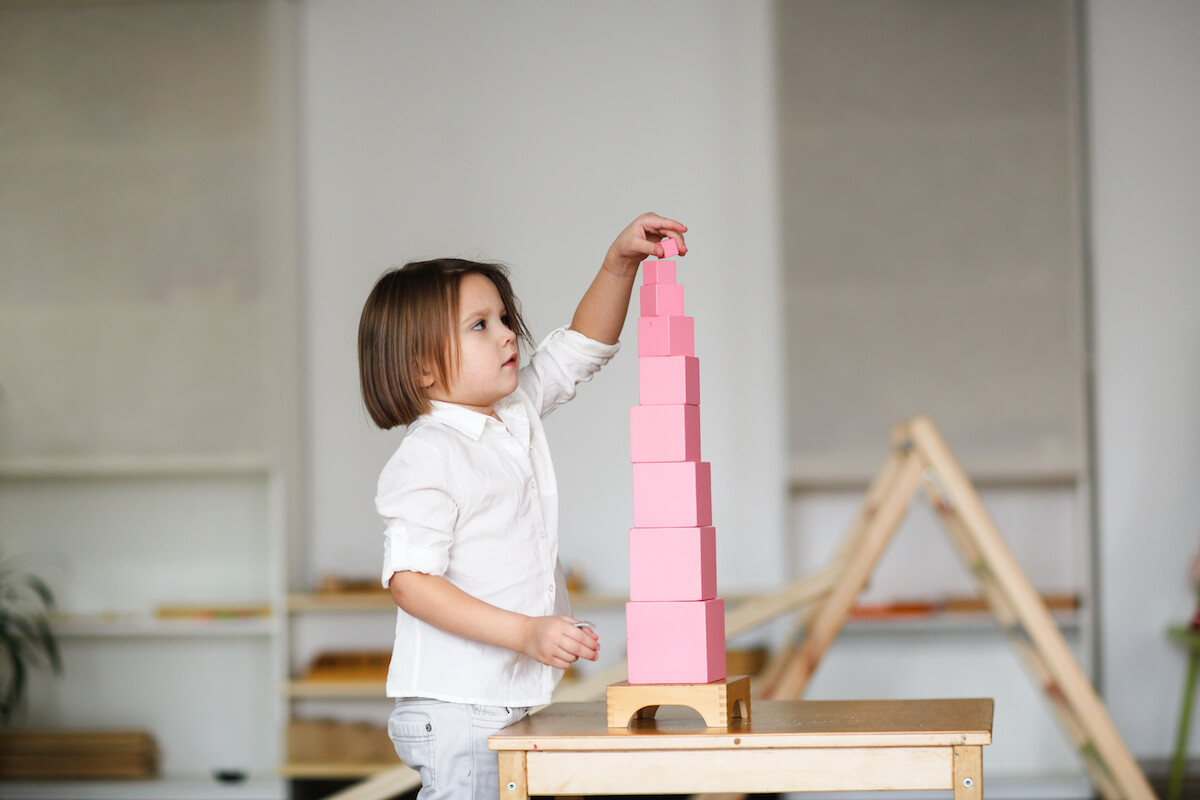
(674, 619)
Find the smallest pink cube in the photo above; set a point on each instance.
(670, 247)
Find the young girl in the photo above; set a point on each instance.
(470, 501)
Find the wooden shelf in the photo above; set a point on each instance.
(946, 622)
(332, 602)
(333, 770)
(807, 476)
(115, 466)
(133, 626)
(587, 599)
(336, 689)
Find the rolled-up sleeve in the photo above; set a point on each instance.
(564, 359)
(416, 503)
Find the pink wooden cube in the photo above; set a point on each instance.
(676, 642)
(664, 433)
(658, 272)
(672, 564)
(662, 300)
(669, 380)
(666, 336)
(672, 495)
(670, 247)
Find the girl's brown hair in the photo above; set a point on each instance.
(407, 324)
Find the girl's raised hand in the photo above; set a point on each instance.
(557, 642)
(640, 239)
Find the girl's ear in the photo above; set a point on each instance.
(425, 378)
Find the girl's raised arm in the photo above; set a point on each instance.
(601, 313)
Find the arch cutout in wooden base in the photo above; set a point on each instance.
(717, 702)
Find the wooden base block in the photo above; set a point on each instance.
(717, 702)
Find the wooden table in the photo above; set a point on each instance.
(801, 745)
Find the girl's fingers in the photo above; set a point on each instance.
(588, 648)
(564, 658)
(647, 248)
(585, 636)
(652, 220)
(678, 241)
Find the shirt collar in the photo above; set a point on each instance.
(461, 419)
(472, 423)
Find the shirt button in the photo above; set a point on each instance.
(532, 483)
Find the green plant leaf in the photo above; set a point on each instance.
(48, 644)
(11, 693)
(26, 638)
(43, 591)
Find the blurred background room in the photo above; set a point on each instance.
(982, 211)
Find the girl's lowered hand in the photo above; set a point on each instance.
(557, 642)
(640, 239)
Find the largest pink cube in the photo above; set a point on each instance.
(676, 642)
(672, 564)
(672, 495)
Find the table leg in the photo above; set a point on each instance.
(514, 783)
(968, 772)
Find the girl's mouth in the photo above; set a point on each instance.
(512, 361)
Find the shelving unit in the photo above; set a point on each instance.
(937, 626)
(324, 697)
(330, 699)
(212, 674)
(150, 446)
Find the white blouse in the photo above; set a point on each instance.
(476, 501)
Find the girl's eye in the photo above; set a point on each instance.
(506, 322)
(478, 326)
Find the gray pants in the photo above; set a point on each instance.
(447, 744)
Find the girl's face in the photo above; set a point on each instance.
(487, 364)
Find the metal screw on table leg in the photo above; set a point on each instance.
(967, 782)
(512, 786)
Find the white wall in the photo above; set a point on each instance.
(532, 133)
(1145, 203)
